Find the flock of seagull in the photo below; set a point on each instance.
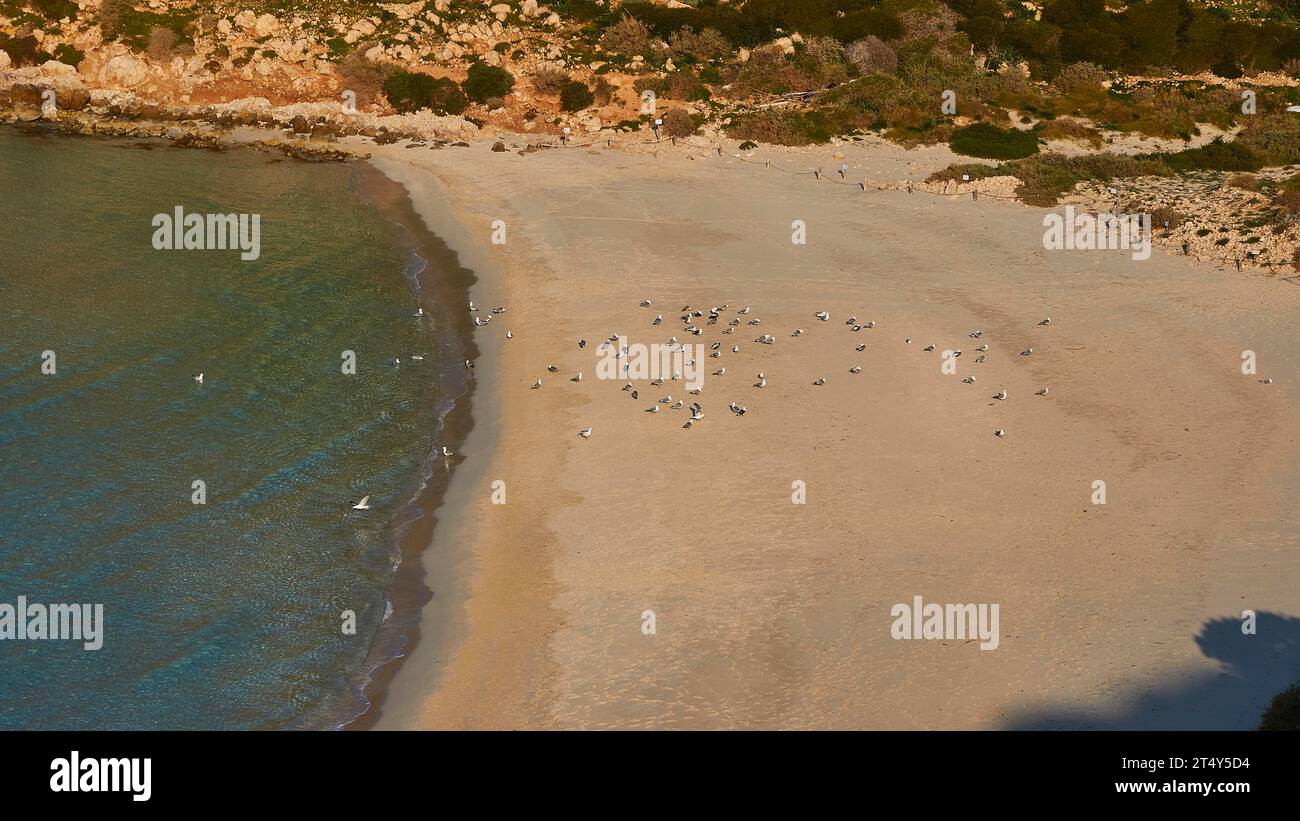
(691, 319)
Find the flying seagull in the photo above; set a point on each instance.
(364, 504)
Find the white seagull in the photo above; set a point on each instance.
(199, 379)
(1002, 394)
(537, 384)
(585, 433)
(1042, 392)
(822, 315)
(855, 369)
(364, 504)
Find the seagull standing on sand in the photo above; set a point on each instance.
(537, 384)
(585, 433)
(855, 369)
(1026, 351)
(1002, 394)
(1047, 321)
(822, 315)
(999, 433)
(577, 378)
(1042, 392)
(860, 348)
(819, 382)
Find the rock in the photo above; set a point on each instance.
(492, 58)
(300, 125)
(223, 26)
(4, 60)
(72, 97)
(501, 10)
(499, 146)
(124, 71)
(266, 25)
(528, 8)
(743, 55)
(246, 19)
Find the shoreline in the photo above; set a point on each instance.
(442, 286)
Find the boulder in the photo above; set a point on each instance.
(266, 25)
(124, 71)
(246, 19)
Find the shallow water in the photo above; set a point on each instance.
(225, 614)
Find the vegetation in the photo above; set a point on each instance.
(984, 140)
(1283, 711)
(575, 96)
(409, 91)
(485, 81)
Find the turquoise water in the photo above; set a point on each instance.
(228, 614)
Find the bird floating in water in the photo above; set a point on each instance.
(199, 378)
(585, 433)
(364, 504)
(397, 362)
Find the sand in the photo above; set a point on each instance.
(772, 614)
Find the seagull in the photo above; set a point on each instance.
(1026, 351)
(798, 332)
(871, 324)
(860, 348)
(999, 432)
(982, 348)
(635, 394)
(819, 382)
(418, 313)
(199, 379)
(471, 305)
(657, 382)
(760, 374)
(853, 320)
(715, 355)
(582, 343)
(736, 409)
(1002, 394)
(658, 319)
(719, 371)
(1042, 392)
(908, 340)
(976, 334)
(678, 405)
(856, 328)
(1268, 381)
(855, 369)
(500, 309)
(1047, 321)
(744, 310)
(417, 357)
(970, 380)
(666, 399)
(761, 383)
(585, 433)
(553, 368)
(577, 378)
(928, 348)
(652, 409)
(446, 452)
(537, 384)
(729, 330)
(645, 303)
(822, 315)
(627, 387)
(397, 362)
(364, 504)
(697, 412)
(735, 349)
(689, 423)
(469, 366)
(509, 335)
(979, 359)
(479, 321)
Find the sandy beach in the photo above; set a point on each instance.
(775, 614)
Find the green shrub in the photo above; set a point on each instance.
(1283, 711)
(68, 55)
(409, 91)
(22, 51)
(1215, 156)
(984, 140)
(54, 10)
(679, 123)
(484, 81)
(575, 96)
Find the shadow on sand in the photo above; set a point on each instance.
(1254, 668)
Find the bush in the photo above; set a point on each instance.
(575, 96)
(1283, 711)
(679, 123)
(1246, 182)
(872, 56)
(1083, 79)
(1215, 156)
(68, 55)
(21, 50)
(484, 81)
(984, 140)
(549, 78)
(54, 10)
(702, 47)
(602, 90)
(628, 37)
(363, 77)
(162, 44)
(408, 91)
(1044, 177)
(1064, 129)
